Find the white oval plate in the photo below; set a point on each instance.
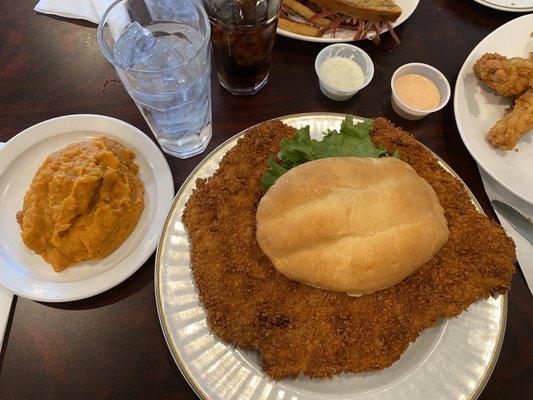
(477, 108)
(450, 361)
(26, 273)
(508, 5)
(345, 35)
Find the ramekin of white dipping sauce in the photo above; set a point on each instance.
(343, 70)
(418, 90)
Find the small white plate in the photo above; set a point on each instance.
(346, 35)
(477, 108)
(452, 360)
(508, 5)
(26, 273)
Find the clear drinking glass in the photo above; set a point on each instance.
(160, 50)
(243, 34)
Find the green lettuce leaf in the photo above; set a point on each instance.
(353, 140)
(273, 173)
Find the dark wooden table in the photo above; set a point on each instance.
(111, 346)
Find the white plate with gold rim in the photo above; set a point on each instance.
(26, 273)
(452, 360)
(346, 35)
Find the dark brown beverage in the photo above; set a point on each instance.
(242, 47)
(242, 54)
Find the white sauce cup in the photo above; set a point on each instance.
(347, 51)
(434, 75)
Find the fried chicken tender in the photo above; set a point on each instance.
(510, 77)
(515, 124)
(298, 329)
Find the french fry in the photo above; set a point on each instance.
(305, 12)
(300, 29)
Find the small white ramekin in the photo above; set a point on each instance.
(347, 51)
(434, 75)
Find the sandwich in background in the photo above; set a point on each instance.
(318, 17)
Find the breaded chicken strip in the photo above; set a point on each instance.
(515, 124)
(507, 76)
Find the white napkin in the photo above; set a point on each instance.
(6, 298)
(524, 249)
(90, 10)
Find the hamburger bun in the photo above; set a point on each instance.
(348, 224)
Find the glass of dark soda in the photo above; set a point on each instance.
(242, 35)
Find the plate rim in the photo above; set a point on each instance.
(303, 38)
(504, 8)
(460, 128)
(174, 350)
(164, 187)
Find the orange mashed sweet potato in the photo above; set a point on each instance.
(83, 203)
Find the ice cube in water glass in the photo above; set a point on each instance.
(134, 45)
(186, 41)
(162, 56)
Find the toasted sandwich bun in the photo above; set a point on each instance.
(370, 10)
(347, 224)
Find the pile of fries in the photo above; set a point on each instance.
(310, 20)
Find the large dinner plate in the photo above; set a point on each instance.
(345, 35)
(508, 5)
(27, 274)
(450, 361)
(477, 108)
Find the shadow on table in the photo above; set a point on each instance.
(135, 283)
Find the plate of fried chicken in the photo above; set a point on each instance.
(494, 105)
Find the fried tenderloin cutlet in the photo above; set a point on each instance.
(298, 329)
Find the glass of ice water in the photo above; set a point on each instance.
(160, 50)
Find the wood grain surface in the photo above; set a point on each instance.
(111, 346)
